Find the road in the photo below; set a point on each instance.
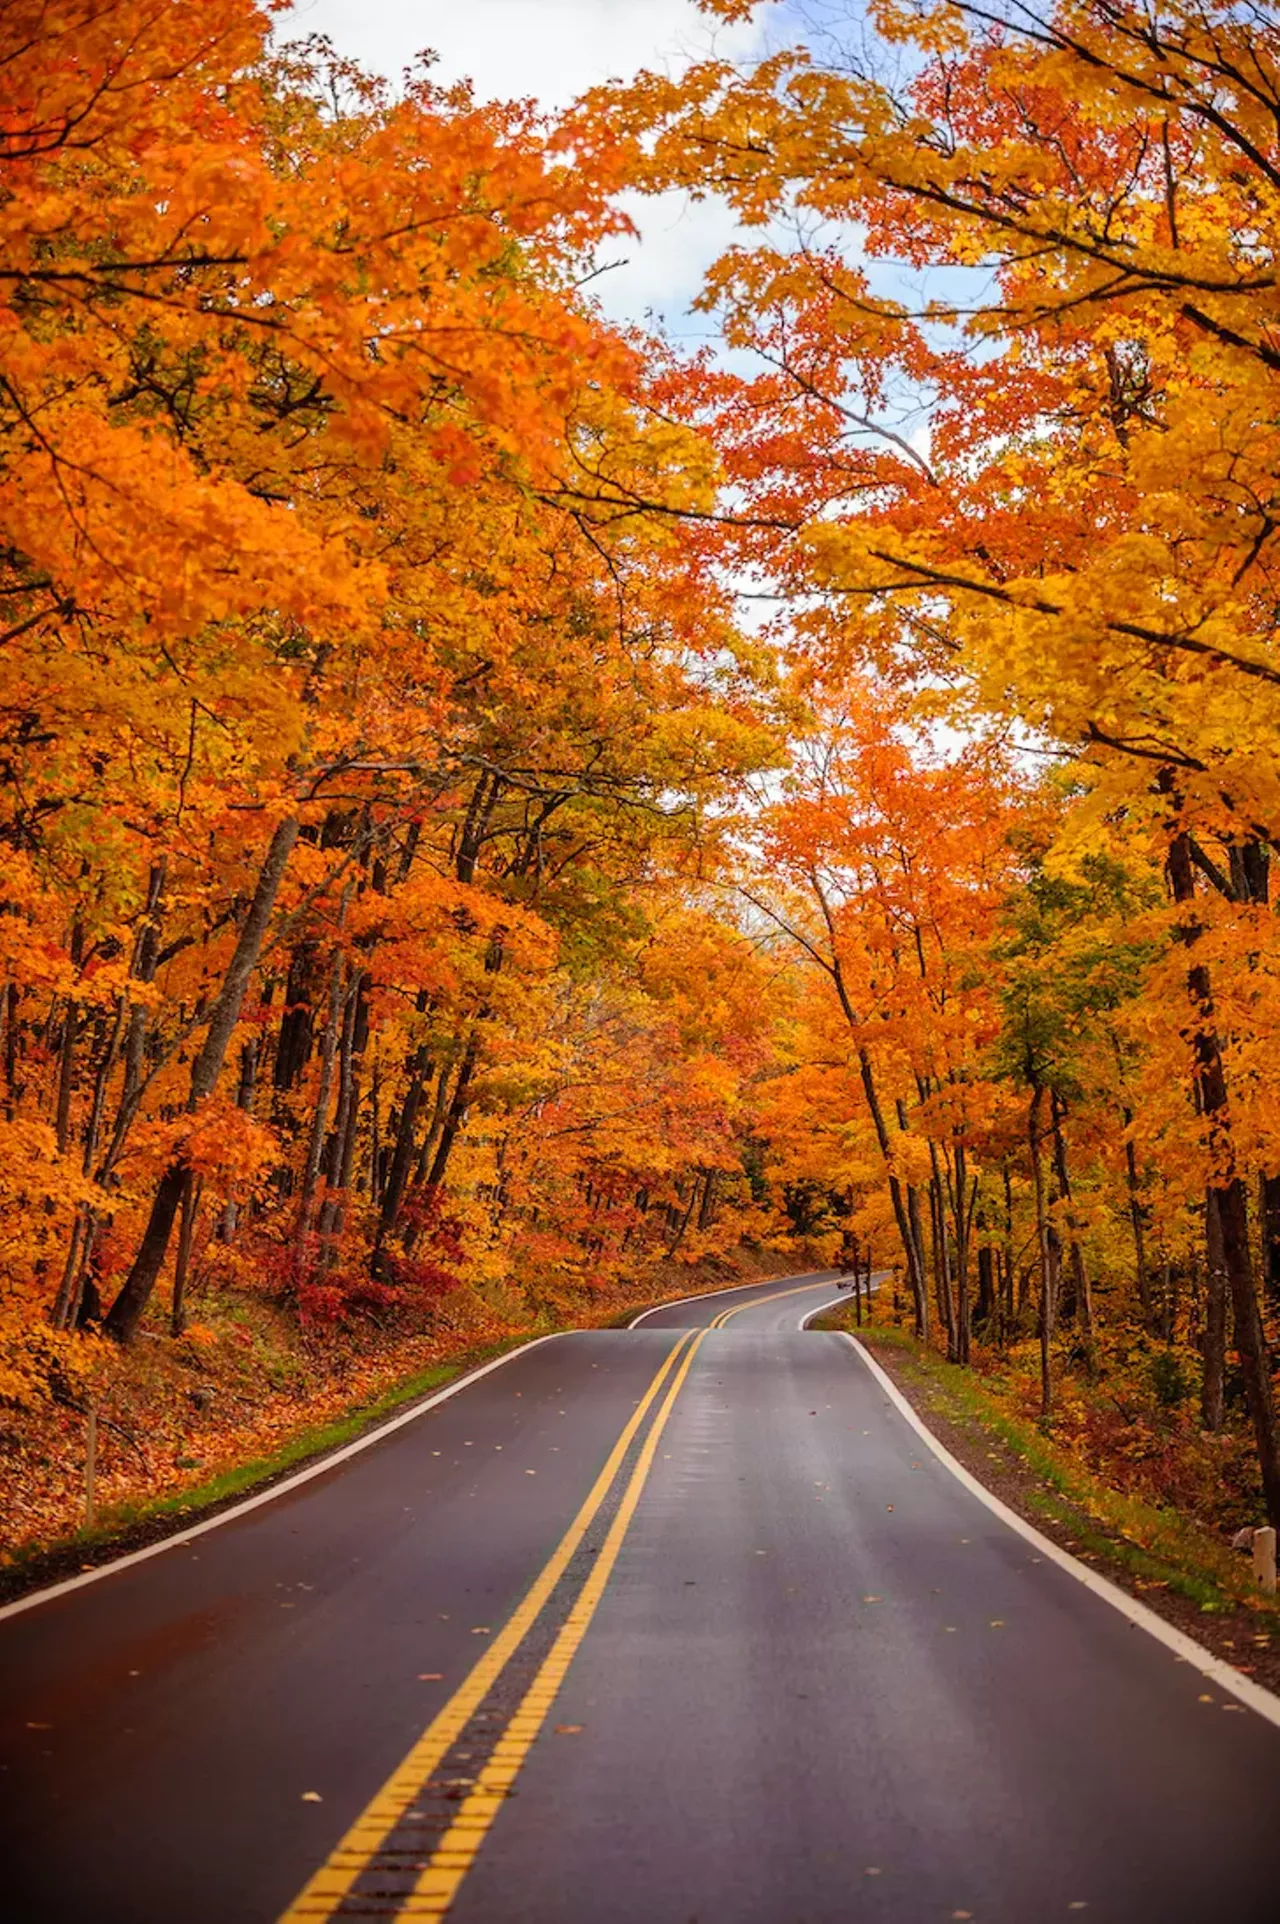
(679, 1624)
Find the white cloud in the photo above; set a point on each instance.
(662, 272)
(552, 51)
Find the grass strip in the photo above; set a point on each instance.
(1157, 1546)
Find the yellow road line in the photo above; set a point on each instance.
(755, 1303)
(324, 1892)
(457, 1850)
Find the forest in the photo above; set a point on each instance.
(506, 817)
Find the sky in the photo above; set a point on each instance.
(554, 50)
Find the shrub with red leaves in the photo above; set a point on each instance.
(402, 1283)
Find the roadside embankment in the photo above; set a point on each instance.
(187, 1425)
(1160, 1554)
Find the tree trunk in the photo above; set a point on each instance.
(988, 1310)
(343, 1141)
(684, 1220)
(62, 1314)
(320, 1116)
(296, 1035)
(962, 1209)
(907, 1229)
(146, 956)
(126, 1312)
(1270, 1213)
(402, 1155)
(66, 1074)
(182, 1260)
(1138, 1224)
(1214, 1340)
(1233, 1205)
(941, 1255)
(455, 1116)
(1082, 1289)
(1011, 1306)
(250, 1056)
(1048, 1266)
(919, 1286)
(431, 1135)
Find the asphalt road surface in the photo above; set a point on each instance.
(682, 1624)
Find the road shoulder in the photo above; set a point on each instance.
(1240, 1631)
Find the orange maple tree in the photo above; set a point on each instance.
(416, 871)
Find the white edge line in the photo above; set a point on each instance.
(319, 1467)
(730, 1289)
(877, 1278)
(1254, 1695)
(809, 1314)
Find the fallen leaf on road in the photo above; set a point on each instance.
(1204, 1698)
(872, 1870)
(480, 1630)
(873, 1599)
(431, 1676)
(568, 1730)
(996, 1623)
(39, 1726)
(312, 1797)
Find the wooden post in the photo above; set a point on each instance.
(1264, 1560)
(91, 1467)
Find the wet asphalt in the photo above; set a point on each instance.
(825, 1684)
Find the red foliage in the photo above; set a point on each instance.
(330, 1297)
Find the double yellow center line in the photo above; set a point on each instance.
(439, 1880)
(757, 1302)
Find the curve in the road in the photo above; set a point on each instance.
(802, 1669)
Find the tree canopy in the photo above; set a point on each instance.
(425, 874)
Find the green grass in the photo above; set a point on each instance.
(1156, 1544)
